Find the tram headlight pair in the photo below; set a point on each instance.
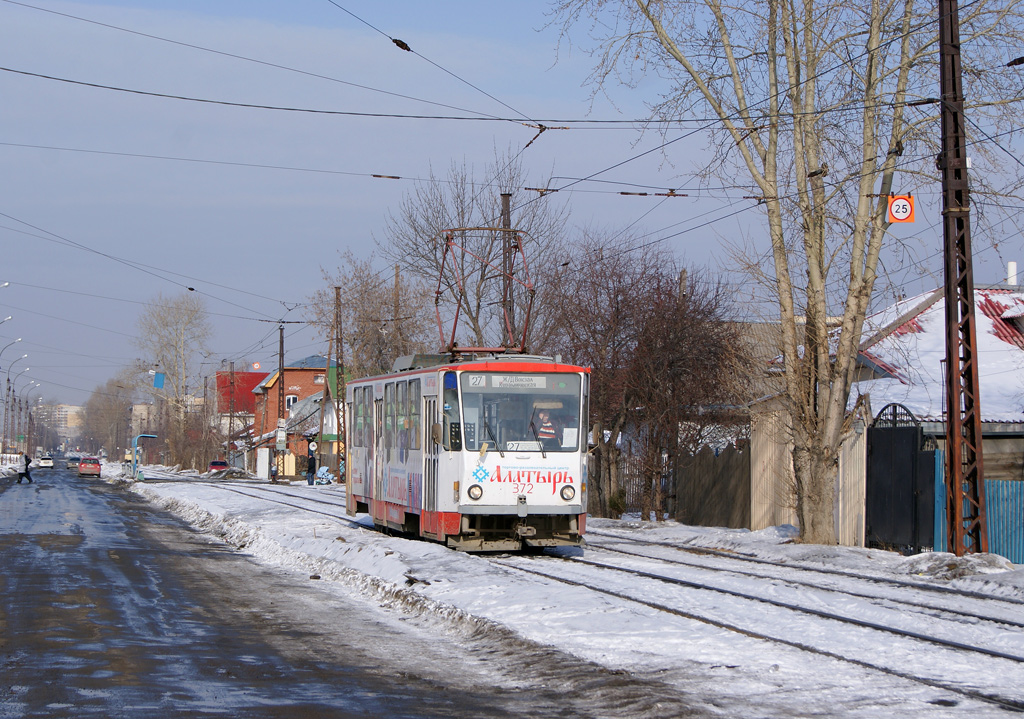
(568, 492)
(475, 491)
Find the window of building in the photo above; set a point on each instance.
(289, 400)
(318, 378)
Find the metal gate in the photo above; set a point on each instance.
(900, 492)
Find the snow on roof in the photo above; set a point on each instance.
(910, 338)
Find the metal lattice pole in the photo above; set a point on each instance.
(965, 487)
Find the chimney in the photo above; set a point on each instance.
(1011, 273)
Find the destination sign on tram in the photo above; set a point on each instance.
(518, 381)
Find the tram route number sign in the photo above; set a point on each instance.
(901, 208)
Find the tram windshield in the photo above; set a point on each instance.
(521, 412)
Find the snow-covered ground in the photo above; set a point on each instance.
(304, 530)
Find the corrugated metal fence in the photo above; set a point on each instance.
(1004, 515)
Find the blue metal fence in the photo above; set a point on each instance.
(1004, 514)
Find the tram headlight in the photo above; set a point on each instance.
(475, 491)
(568, 492)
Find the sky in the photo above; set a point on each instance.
(303, 531)
(109, 198)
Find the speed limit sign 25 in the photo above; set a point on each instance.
(901, 208)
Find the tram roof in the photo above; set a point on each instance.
(413, 364)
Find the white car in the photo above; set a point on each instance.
(46, 461)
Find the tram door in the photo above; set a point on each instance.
(379, 468)
(430, 460)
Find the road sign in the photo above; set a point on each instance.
(255, 365)
(901, 208)
(312, 446)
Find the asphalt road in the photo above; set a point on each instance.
(110, 608)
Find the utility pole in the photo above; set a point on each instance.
(965, 482)
(327, 397)
(339, 388)
(508, 241)
(7, 413)
(279, 459)
(231, 407)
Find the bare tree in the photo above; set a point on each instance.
(812, 104)
(414, 239)
(384, 315)
(105, 424)
(595, 311)
(661, 356)
(685, 379)
(172, 333)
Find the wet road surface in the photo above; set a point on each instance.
(109, 608)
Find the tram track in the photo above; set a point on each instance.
(264, 494)
(737, 556)
(707, 617)
(744, 622)
(788, 570)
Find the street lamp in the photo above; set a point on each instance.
(11, 366)
(7, 401)
(22, 401)
(8, 344)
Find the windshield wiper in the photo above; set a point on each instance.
(490, 433)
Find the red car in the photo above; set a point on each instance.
(88, 466)
(217, 465)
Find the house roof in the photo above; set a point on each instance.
(908, 339)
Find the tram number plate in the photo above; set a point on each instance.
(522, 488)
(522, 446)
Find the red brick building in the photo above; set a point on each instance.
(234, 392)
(302, 379)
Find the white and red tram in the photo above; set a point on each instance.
(486, 454)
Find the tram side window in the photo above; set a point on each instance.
(368, 437)
(402, 424)
(358, 417)
(367, 417)
(414, 414)
(452, 419)
(389, 417)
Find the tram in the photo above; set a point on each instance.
(487, 453)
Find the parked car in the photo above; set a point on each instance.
(72, 462)
(88, 466)
(46, 461)
(217, 465)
